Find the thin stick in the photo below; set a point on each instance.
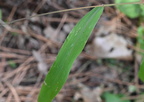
(73, 9)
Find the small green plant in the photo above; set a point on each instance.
(12, 64)
(109, 97)
(69, 51)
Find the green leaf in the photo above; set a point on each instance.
(113, 98)
(141, 72)
(142, 8)
(69, 51)
(140, 38)
(131, 10)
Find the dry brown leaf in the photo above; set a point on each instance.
(89, 95)
(110, 46)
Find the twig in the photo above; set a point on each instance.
(11, 55)
(17, 99)
(73, 9)
(12, 50)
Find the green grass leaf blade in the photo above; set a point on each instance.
(141, 72)
(69, 51)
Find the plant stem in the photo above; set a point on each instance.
(73, 9)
